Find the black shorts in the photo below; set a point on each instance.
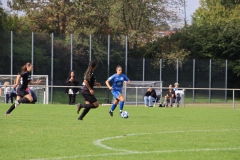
(21, 92)
(88, 96)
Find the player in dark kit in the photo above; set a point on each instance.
(22, 81)
(87, 90)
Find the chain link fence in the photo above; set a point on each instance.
(56, 56)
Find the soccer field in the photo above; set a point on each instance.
(49, 132)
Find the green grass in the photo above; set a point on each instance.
(53, 132)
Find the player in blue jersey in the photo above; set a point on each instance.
(22, 81)
(116, 88)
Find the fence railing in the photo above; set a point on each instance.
(191, 95)
(56, 56)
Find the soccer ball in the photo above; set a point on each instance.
(124, 114)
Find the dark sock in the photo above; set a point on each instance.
(88, 106)
(11, 109)
(85, 111)
(24, 100)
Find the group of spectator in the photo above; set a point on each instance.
(10, 92)
(150, 96)
(171, 97)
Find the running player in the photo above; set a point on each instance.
(117, 83)
(87, 90)
(22, 81)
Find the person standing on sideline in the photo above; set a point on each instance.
(117, 80)
(7, 91)
(72, 81)
(13, 93)
(22, 81)
(149, 97)
(87, 90)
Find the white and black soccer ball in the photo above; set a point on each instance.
(124, 114)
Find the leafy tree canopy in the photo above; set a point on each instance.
(133, 18)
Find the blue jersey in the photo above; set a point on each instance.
(117, 81)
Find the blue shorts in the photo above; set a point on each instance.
(116, 93)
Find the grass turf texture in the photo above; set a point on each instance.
(53, 132)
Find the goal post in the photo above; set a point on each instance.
(41, 90)
(134, 92)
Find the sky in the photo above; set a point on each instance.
(191, 6)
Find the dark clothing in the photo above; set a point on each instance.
(152, 94)
(75, 82)
(72, 96)
(21, 92)
(88, 96)
(72, 99)
(24, 80)
(91, 82)
(169, 93)
(86, 93)
(34, 96)
(21, 89)
(147, 93)
(13, 94)
(7, 96)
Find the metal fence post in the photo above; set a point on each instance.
(71, 54)
(108, 63)
(143, 78)
(226, 80)
(160, 69)
(32, 52)
(177, 71)
(210, 79)
(90, 47)
(11, 56)
(194, 67)
(137, 96)
(52, 68)
(126, 55)
(233, 100)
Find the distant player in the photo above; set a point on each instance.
(116, 88)
(87, 90)
(22, 81)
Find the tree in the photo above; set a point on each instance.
(45, 16)
(135, 19)
(215, 34)
(3, 15)
(138, 19)
(216, 30)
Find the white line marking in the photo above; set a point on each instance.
(126, 152)
(141, 152)
(99, 142)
